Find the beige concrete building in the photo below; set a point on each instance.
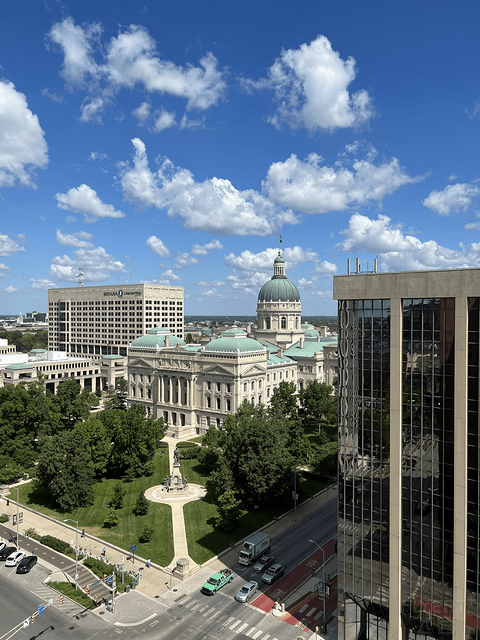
(57, 367)
(100, 321)
(409, 464)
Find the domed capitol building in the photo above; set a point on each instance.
(193, 387)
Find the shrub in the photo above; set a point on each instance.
(57, 545)
(189, 452)
(141, 505)
(99, 568)
(4, 517)
(111, 519)
(146, 534)
(118, 494)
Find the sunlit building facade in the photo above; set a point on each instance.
(409, 445)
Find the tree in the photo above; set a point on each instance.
(135, 439)
(141, 505)
(318, 404)
(189, 338)
(118, 395)
(73, 402)
(146, 534)
(325, 460)
(111, 519)
(65, 469)
(119, 492)
(229, 511)
(99, 441)
(284, 400)
(255, 461)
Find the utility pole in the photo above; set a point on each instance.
(76, 550)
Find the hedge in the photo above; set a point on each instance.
(100, 569)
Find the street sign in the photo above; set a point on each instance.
(26, 623)
(40, 609)
(50, 602)
(20, 517)
(14, 519)
(294, 496)
(133, 547)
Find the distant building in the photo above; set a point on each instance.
(100, 321)
(195, 386)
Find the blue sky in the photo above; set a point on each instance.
(173, 142)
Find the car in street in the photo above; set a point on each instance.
(5, 552)
(26, 564)
(14, 558)
(247, 592)
(217, 581)
(2, 545)
(273, 573)
(262, 565)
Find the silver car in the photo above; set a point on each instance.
(247, 592)
(272, 574)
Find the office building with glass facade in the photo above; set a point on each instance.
(409, 455)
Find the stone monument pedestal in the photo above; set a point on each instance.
(182, 570)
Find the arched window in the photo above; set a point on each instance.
(228, 404)
(267, 323)
(209, 402)
(218, 404)
(149, 394)
(283, 322)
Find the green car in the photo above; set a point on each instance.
(217, 581)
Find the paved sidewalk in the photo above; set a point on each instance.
(155, 580)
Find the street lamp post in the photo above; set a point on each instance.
(18, 539)
(324, 587)
(76, 550)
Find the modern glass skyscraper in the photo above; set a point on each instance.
(409, 447)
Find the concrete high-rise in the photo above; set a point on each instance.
(104, 320)
(409, 455)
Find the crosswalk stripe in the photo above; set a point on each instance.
(266, 636)
(189, 604)
(195, 607)
(211, 613)
(251, 631)
(235, 624)
(259, 633)
(309, 613)
(240, 629)
(303, 608)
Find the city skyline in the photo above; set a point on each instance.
(173, 144)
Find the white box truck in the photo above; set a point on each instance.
(254, 547)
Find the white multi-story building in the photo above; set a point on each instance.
(99, 321)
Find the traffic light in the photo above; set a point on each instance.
(327, 590)
(61, 600)
(104, 578)
(32, 619)
(87, 589)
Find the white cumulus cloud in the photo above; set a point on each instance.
(310, 187)
(202, 250)
(156, 245)
(454, 198)
(184, 260)
(8, 246)
(84, 200)
(11, 289)
(214, 205)
(127, 61)
(80, 239)
(42, 283)
(311, 86)
(96, 264)
(23, 148)
(400, 252)
(170, 275)
(164, 120)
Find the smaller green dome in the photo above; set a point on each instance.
(233, 341)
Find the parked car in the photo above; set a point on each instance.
(273, 573)
(14, 558)
(26, 564)
(262, 565)
(6, 551)
(247, 592)
(2, 545)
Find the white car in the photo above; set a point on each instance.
(14, 558)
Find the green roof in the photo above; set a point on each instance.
(310, 347)
(112, 357)
(19, 365)
(233, 341)
(274, 359)
(279, 289)
(156, 338)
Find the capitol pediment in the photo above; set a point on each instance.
(219, 370)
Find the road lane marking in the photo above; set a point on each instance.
(240, 629)
(259, 633)
(303, 608)
(309, 613)
(235, 624)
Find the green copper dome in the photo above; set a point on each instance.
(279, 288)
(233, 341)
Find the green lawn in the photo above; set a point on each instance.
(130, 527)
(204, 541)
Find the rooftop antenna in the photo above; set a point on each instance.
(279, 243)
(79, 277)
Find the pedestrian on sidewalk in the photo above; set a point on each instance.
(104, 551)
(83, 533)
(148, 563)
